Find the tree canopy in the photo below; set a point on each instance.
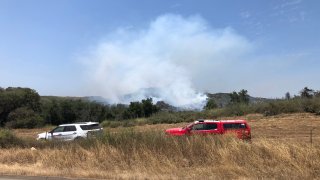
(239, 97)
(13, 98)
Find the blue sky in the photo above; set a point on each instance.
(60, 47)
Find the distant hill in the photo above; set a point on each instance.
(221, 99)
(97, 99)
(57, 98)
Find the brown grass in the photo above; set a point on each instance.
(195, 157)
(280, 149)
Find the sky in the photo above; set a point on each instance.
(174, 50)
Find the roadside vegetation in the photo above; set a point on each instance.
(280, 149)
(151, 154)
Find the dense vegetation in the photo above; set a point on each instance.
(24, 108)
(307, 101)
(153, 155)
(20, 107)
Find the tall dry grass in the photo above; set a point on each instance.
(153, 155)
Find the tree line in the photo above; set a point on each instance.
(24, 108)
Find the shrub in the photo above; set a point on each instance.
(311, 105)
(165, 117)
(8, 139)
(128, 123)
(111, 124)
(278, 106)
(272, 109)
(234, 110)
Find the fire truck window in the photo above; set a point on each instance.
(198, 127)
(211, 126)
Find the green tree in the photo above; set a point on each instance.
(306, 93)
(234, 97)
(24, 118)
(54, 114)
(240, 97)
(136, 109)
(287, 96)
(13, 98)
(148, 107)
(117, 111)
(68, 113)
(243, 96)
(211, 104)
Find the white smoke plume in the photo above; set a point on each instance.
(172, 59)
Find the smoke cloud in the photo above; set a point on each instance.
(172, 59)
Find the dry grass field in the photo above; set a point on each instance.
(280, 149)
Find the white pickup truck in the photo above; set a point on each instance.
(67, 132)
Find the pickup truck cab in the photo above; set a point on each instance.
(205, 127)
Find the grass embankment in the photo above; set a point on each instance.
(153, 155)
